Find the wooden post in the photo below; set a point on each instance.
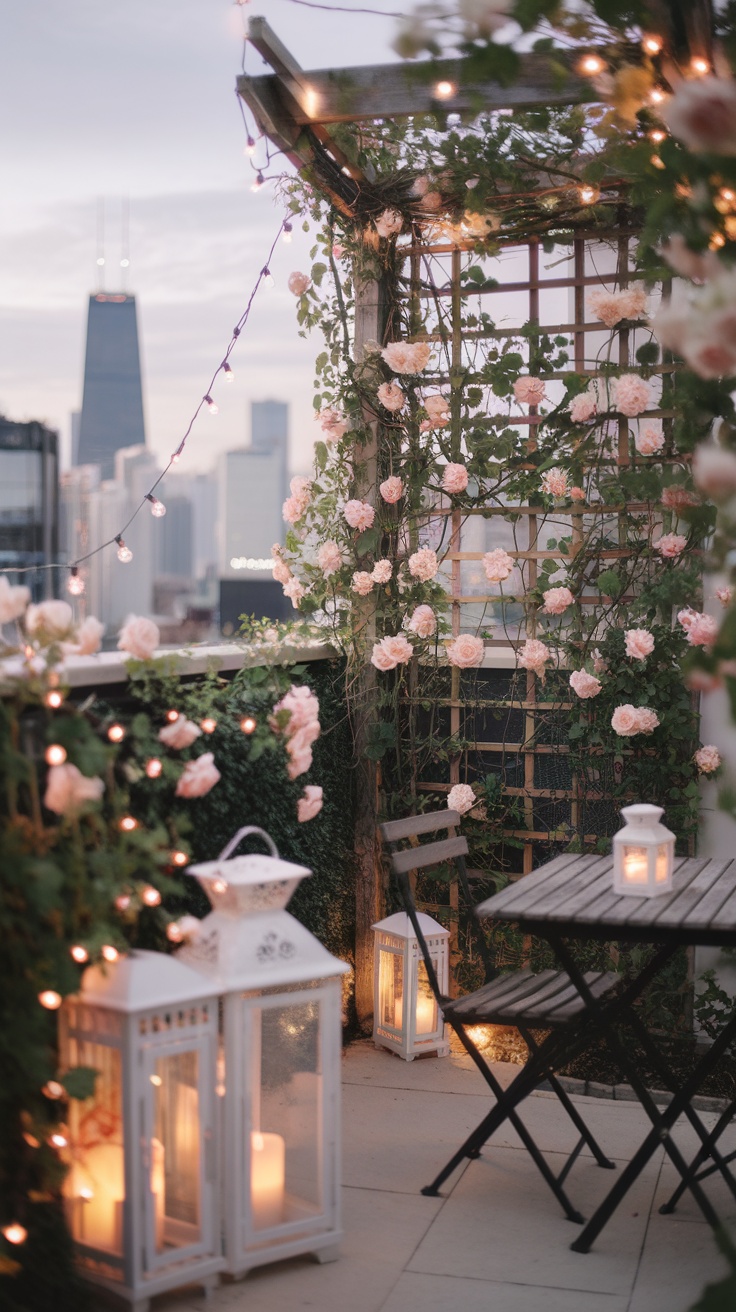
(370, 321)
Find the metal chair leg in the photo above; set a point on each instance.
(571, 1109)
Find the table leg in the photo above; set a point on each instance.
(702, 1156)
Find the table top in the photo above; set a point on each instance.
(574, 896)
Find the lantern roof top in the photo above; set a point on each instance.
(141, 981)
(400, 926)
(258, 951)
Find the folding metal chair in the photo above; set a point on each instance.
(545, 1001)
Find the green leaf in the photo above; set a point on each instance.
(79, 1082)
(609, 583)
(368, 540)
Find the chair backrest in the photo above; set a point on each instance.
(421, 858)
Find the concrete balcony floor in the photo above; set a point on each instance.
(497, 1240)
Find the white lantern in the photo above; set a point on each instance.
(140, 1194)
(406, 1018)
(280, 1060)
(643, 853)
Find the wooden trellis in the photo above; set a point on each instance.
(509, 719)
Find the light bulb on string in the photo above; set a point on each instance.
(15, 1233)
(79, 953)
(125, 555)
(174, 932)
(128, 823)
(588, 195)
(53, 1089)
(158, 509)
(268, 277)
(229, 375)
(591, 65)
(248, 725)
(122, 901)
(212, 406)
(75, 583)
(657, 95)
(153, 768)
(658, 135)
(208, 724)
(55, 754)
(250, 146)
(652, 44)
(58, 1140)
(444, 90)
(151, 896)
(172, 716)
(116, 733)
(109, 952)
(699, 66)
(54, 699)
(179, 858)
(50, 999)
(259, 181)
(286, 232)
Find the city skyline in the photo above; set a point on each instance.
(152, 116)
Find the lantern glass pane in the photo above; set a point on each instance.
(95, 1185)
(636, 864)
(426, 1013)
(661, 868)
(391, 988)
(286, 1128)
(175, 1174)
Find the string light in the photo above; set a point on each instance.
(122, 901)
(716, 241)
(15, 1233)
(174, 932)
(128, 823)
(171, 716)
(657, 96)
(652, 44)
(55, 754)
(50, 999)
(208, 724)
(54, 699)
(110, 953)
(31, 1140)
(125, 555)
(591, 65)
(229, 375)
(153, 768)
(588, 195)
(52, 1089)
(212, 406)
(268, 276)
(179, 858)
(75, 583)
(151, 896)
(699, 66)
(657, 135)
(286, 232)
(116, 733)
(444, 90)
(259, 181)
(158, 509)
(79, 953)
(250, 146)
(248, 724)
(58, 1140)
(657, 162)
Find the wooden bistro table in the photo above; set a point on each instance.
(572, 898)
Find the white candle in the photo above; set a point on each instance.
(398, 1013)
(636, 867)
(158, 1189)
(98, 1187)
(267, 1173)
(425, 1015)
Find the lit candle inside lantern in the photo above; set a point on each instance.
(267, 1173)
(636, 865)
(425, 1017)
(98, 1189)
(158, 1189)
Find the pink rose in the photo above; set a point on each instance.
(647, 720)
(438, 409)
(295, 505)
(281, 572)
(407, 357)
(454, 479)
(423, 622)
(554, 483)
(649, 438)
(67, 789)
(557, 600)
(714, 471)
(50, 621)
(583, 407)
(498, 565)
(707, 759)
(701, 630)
(13, 600)
(423, 564)
(300, 757)
(391, 396)
(702, 114)
(140, 637)
(359, 514)
(303, 707)
(461, 798)
(391, 651)
(577, 493)
(88, 638)
(198, 777)
(389, 223)
(298, 283)
(724, 595)
(639, 644)
(534, 656)
(382, 571)
(466, 652)
(294, 591)
(612, 307)
(631, 394)
(309, 804)
(329, 557)
(333, 424)
(585, 685)
(181, 733)
(675, 497)
(670, 545)
(529, 391)
(362, 583)
(392, 490)
(625, 720)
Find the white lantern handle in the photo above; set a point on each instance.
(230, 847)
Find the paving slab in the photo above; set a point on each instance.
(679, 1258)
(420, 1293)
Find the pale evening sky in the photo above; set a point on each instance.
(101, 99)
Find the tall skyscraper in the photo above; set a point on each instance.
(112, 403)
(29, 503)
